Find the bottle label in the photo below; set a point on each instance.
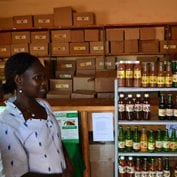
(137, 74)
(169, 112)
(129, 107)
(121, 74)
(158, 144)
(121, 144)
(121, 107)
(136, 145)
(151, 146)
(130, 170)
(146, 107)
(175, 112)
(138, 107)
(160, 80)
(159, 174)
(166, 173)
(162, 112)
(145, 80)
(166, 144)
(175, 78)
(175, 175)
(168, 80)
(173, 145)
(129, 74)
(122, 169)
(153, 79)
(143, 145)
(144, 174)
(137, 173)
(152, 173)
(128, 143)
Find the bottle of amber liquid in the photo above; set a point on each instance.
(146, 107)
(143, 141)
(122, 167)
(130, 167)
(129, 74)
(145, 75)
(121, 73)
(121, 106)
(137, 74)
(138, 107)
(153, 75)
(168, 75)
(130, 108)
(161, 75)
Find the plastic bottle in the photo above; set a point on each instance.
(137, 74)
(151, 141)
(161, 75)
(166, 141)
(121, 106)
(128, 140)
(138, 107)
(169, 107)
(136, 140)
(145, 75)
(121, 74)
(153, 75)
(168, 75)
(158, 141)
(129, 108)
(129, 74)
(162, 108)
(121, 140)
(130, 167)
(143, 141)
(146, 107)
(122, 167)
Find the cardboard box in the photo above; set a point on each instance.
(21, 37)
(86, 64)
(100, 63)
(77, 35)
(173, 32)
(116, 47)
(91, 35)
(5, 51)
(41, 36)
(103, 84)
(64, 74)
(25, 21)
(85, 72)
(61, 36)
(168, 47)
(114, 34)
(83, 18)
(131, 46)
(149, 46)
(147, 33)
(5, 38)
(66, 65)
(106, 73)
(43, 20)
(61, 85)
(59, 48)
(58, 94)
(63, 16)
(6, 23)
(83, 94)
(79, 48)
(105, 95)
(110, 63)
(39, 49)
(97, 48)
(17, 48)
(83, 83)
(131, 33)
(160, 33)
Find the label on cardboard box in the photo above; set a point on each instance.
(66, 76)
(84, 64)
(39, 48)
(3, 49)
(40, 37)
(60, 36)
(61, 48)
(21, 49)
(80, 48)
(22, 21)
(66, 65)
(83, 18)
(19, 37)
(41, 21)
(98, 48)
(62, 86)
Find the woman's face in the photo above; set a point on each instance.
(35, 81)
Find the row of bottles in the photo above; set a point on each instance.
(134, 108)
(154, 74)
(146, 141)
(145, 167)
(167, 109)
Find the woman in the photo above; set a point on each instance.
(30, 140)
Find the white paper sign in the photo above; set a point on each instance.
(102, 124)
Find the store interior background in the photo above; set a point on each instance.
(107, 11)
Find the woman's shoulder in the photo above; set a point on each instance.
(44, 103)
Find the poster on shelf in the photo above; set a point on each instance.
(68, 121)
(102, 124)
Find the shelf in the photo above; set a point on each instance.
(133, 89)
(149, 122)
(154, 154)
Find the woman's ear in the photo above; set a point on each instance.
(18, 80)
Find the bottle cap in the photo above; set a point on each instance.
(130, 158)
(122, 158)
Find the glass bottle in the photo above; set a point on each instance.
(121, 106)
(138, 107)
(166, 168)
(129, 140)
(151, 141)
(152, 168)
(143, 141)
(146, 107)
(174, 74)
(121, 140)
(168, 75)
(145, 75)
(173, 141)
(130, 167)
(137, 74)
(162, 108)
(138, 167)
(175, 108)
(161, 75)
(136, 140)
(122, 167)
(159, 172)
(169, 107)
(158, 141)
(166, 141)
(129, 108)
(129, 74)
(175, 170)
(153, 75)
(145, 172)
(121, 74)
